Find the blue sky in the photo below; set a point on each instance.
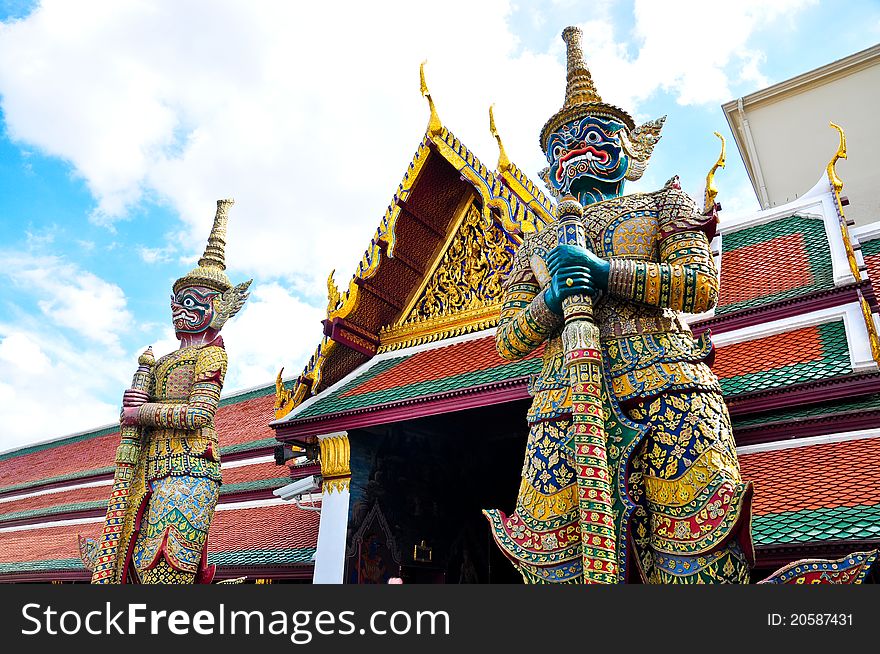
(123, 122)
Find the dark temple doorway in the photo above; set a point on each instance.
(418, 489)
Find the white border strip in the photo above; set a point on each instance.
(858, 341)
(793, 443)
(268, 458)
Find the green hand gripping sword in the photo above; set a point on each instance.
(583, 360)
(108, 567)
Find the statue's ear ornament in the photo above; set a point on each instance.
(229, 303)
(639, 144)
(544, 174)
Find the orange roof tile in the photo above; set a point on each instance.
(277, 527)
(798, 346)
(784, 266)
(239, 422)
(813, 477)
(437, 363)
(91, 494)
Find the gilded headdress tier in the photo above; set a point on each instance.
(211, 269)
(581, 97)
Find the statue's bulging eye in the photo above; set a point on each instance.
(593, 137)
(189, 302)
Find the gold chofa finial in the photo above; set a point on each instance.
(333, 294)
(836, 182)
(434, 124)
(711, 189)
(503, 160)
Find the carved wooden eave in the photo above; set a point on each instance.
(376, 311)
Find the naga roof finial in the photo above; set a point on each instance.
(434, 124)
(210, 271)
(503, 160)
(711, 189)
(836, 182)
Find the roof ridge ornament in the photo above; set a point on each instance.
(503, 159)
(435, 127)
(334, 297)
(711, 189)
(836, 182)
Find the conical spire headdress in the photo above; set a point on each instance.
(210, 271)
(581, 97)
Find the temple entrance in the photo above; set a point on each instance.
(417, 491)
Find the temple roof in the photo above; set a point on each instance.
(382, 307)
(815, 493)
(240, 538)
(53, 491)
(425, 380)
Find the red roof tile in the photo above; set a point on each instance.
(272, 528)
(265, 528)
(873, 263)
(817, 476)
(255, 472)
(55, 499)
(246, 421)
(798, 346)
(241, 422)
(456, 359)
(784, 266)
(89, 454)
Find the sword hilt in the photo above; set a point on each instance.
(570, 226)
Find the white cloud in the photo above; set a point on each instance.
(51, 387)
(156, 255)
(274, 329)
(70, 297)
(310, 129)
(308, 115)
(690, 48)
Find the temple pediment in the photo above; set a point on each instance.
(462, 290)
(435, 265)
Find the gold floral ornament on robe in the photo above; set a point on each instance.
(683, 512)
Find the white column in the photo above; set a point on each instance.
(332, 530)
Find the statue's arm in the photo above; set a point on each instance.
(685, 278)
(203, 397)
(526, 320)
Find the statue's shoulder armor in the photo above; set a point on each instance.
(677, 212)
(624, 226)
(210, 358)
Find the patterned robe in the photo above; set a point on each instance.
(691, 516)
(177, 480)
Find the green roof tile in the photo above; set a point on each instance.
(841, 523)
(865, 403)
(816, 250)
(834, 362)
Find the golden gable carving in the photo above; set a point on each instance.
(463, 291)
